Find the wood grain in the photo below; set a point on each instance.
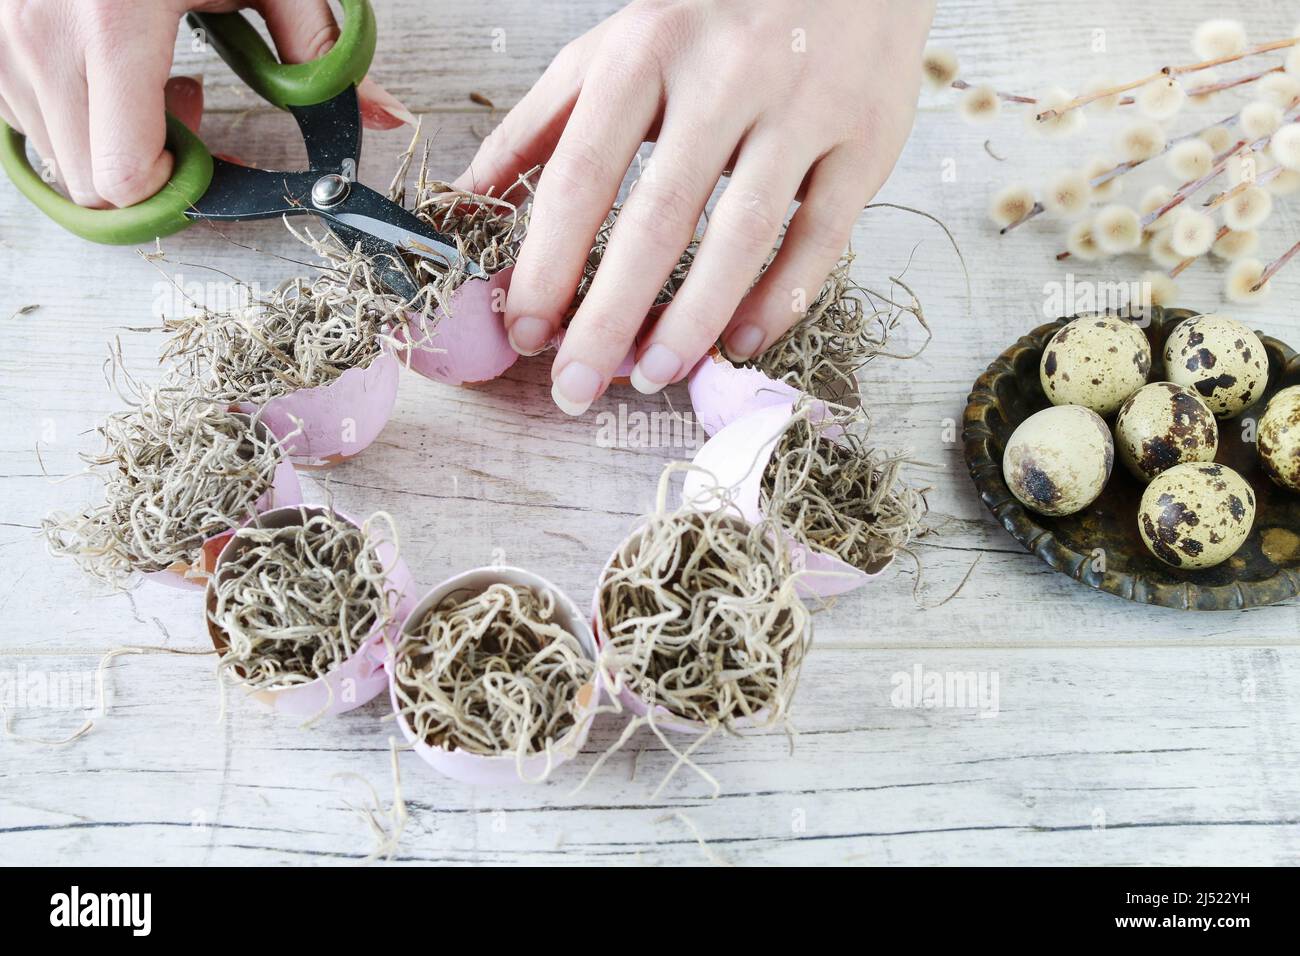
(1123, 734)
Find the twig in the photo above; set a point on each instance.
(1005, 97)
(1274, 266)
(1086, 98)
(1120, 169)
(1218, 199)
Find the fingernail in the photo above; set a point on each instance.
(575, 388)
(655, 369)
(529, 335)
(184, 96)
(745, 342)
(381, 107)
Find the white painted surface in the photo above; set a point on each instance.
(1123, 734)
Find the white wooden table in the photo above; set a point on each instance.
(1122, 734)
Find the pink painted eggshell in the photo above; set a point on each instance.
(361, 677)
(504, 770)
(467, 343)
(331, 423)
(722, 392)
(735, 458)
(285, 491)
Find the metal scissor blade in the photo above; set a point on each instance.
(391, 270)
(365, 210)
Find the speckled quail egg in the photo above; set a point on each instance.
(1162, 425)
(1278, 440)
(1220, 359)
(1059, 459)
(1196, 515)
(1095, 361)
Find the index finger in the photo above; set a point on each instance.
(576, 191)
(125, 75)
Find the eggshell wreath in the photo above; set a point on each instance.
(493, 676)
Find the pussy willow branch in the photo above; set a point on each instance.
(1183, 266)
(1120, 169)
(1189, 189)
(1167, 71)
(1219, 198)
(1005, 97)
(1272, 268)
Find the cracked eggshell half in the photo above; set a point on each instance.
(502, 770)
(325, 425)
(285, 491)
(722, 392)
(736, 458)
(361, 677)
(466, 343)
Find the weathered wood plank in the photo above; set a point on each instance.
(1175, 730)
(1152, 756)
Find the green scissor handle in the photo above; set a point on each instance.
(293, 84)
(160, 215)
(282, 85)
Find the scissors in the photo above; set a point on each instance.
(322, 97)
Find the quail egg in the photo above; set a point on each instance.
(1279, 438)
(1059, 459)
(1221, 359)
(1196, 515)
(1162, 425)
(1095, 361)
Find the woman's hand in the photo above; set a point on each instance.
(87, 82)
(796, 98)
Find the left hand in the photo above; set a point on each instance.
(809, 99)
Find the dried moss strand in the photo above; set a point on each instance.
(701, 618)
(832, 491)
(294, 603)
(176, 470)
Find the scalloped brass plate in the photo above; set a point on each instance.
(1100, 546)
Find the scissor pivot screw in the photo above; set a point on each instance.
(329, 191)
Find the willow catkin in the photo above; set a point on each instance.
(176, 470)
(828, 488)
(492, 673)
(293, 603)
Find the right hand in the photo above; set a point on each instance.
(87, 82)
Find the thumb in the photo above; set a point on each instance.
(184, 96)
(304, 30)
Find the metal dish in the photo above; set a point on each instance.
(1100, 546)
